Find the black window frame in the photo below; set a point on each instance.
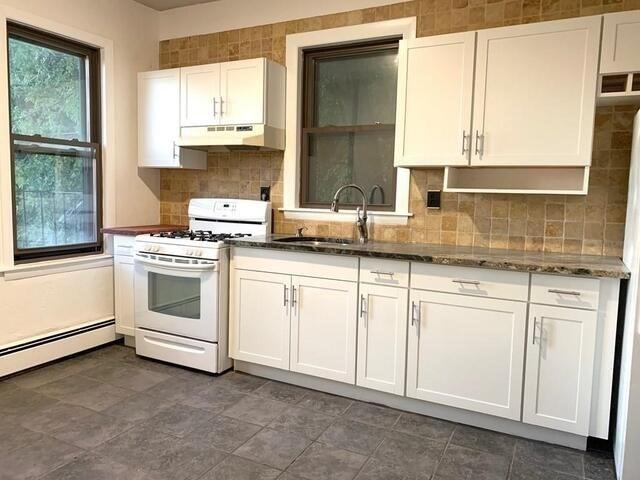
(309, 58)
(94, 142)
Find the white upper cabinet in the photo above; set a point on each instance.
(227, 93)
(159, 123)
(560, 358)
(200, 95)
(620, 40)
(435, 85)
(242, 92)
(534, 100)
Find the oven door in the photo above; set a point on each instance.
(177, 296)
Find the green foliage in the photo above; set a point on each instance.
(47, 95)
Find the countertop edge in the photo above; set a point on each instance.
(438, 259)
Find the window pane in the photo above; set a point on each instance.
(54, 195)
(363, 158)
(175, 296)
(356, 90)
(47, 90)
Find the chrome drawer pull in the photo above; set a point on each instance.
(468, 282)
(363, 310)
(285, 299)
(413, 313)
(535, 327)
(564, 292)
(380, 272)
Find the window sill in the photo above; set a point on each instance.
(50, 267)
(318, 215)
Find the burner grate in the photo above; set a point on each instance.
(199, 235)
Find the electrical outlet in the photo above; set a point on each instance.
(265, 194)
(433, 199)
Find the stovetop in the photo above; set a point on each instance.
(198, 235)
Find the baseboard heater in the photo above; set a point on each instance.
(31, 353)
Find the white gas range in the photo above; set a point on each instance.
(182, 283)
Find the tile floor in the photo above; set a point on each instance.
(108, 414)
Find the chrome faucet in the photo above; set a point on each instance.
(361, 213)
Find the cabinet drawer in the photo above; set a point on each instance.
(470, 281)
(384, 272)
(565, 291)
(123, 245)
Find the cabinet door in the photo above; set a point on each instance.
(123, 275)
(323, 328)
(158, 118)
(466, 352)
(435, 84)
(534, 101)
(200, 95)
(382, 337)
(242, 92)
(560, 355)
(259, 318)
(620, 40)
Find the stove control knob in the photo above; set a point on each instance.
(189, 252)
(156, 248)
(197, 253)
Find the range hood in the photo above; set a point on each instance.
(217, 138)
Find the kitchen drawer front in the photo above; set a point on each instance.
(563, 291)
(337, 267)
(393, 273)
(470, 281)
(123, 245)
(179, 350)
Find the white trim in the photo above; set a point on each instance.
(51, 267)
(108, 120)
(467, 417)
(386, 218)
(295, 43)
(48, 352)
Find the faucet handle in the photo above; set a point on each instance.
(300, 230)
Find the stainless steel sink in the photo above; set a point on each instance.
(316, 240)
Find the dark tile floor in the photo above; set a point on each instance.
(111, 415)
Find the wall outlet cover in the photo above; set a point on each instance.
(265, 194)
(433, 198)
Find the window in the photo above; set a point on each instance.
(349, 111)
(54, 98)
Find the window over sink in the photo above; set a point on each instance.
(348, 126)
(54, 98)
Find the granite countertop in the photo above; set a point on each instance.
(501, 259)
(141, 229)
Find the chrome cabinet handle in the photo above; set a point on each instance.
(465, 138)
(535, 328)
(215, 102)
(175, 152)
(285, 298)
(363, 309)
(479, 143)
(294, 299)
(380, 272)
(564, 292)
(221, 103)
(468, 282)
(413, 313)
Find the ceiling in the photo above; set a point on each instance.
(169, 4)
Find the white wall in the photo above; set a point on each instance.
(627, 443)
(40, 304)
(231, 14)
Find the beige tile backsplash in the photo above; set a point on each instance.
(592, 224)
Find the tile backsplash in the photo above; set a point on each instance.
(591, 224)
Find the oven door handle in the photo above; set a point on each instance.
(177, 266)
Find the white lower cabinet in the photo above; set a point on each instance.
(259, 313)
(323, 328)
(466, 352)
(559, 368)
(123, 275)
(382, 338)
